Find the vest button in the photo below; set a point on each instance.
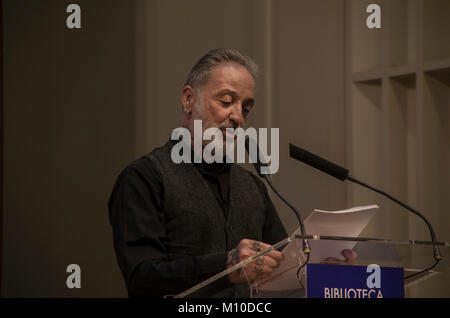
(229, 227)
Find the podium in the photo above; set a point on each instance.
(383, 269)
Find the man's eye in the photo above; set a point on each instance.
(226, 103)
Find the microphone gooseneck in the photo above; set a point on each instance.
(437, 253)
(258, 163)
(343, 174)
(306, 248)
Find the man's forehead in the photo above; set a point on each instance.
(230, 76)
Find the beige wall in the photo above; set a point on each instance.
(69, 128)
(397, 86)
(81, 104)
(308, 100)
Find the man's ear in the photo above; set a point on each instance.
(187, 98)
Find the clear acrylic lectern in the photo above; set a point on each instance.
(325, 273)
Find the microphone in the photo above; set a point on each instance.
(258, 163)
(343, 174)
(318, 162)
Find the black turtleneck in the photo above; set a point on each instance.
(217, 175)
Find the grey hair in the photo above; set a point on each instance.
(200, 72)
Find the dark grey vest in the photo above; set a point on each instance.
(194, 221)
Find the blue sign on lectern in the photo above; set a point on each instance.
(350, 281)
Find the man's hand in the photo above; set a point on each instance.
(350, 257)
(260, 268)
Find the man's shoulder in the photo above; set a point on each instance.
(145, 165)
(157, 152)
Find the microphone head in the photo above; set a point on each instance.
(317, 162)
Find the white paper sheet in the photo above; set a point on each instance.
(348, 222)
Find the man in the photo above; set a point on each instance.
(175, 225)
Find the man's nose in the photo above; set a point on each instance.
(236, 115)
